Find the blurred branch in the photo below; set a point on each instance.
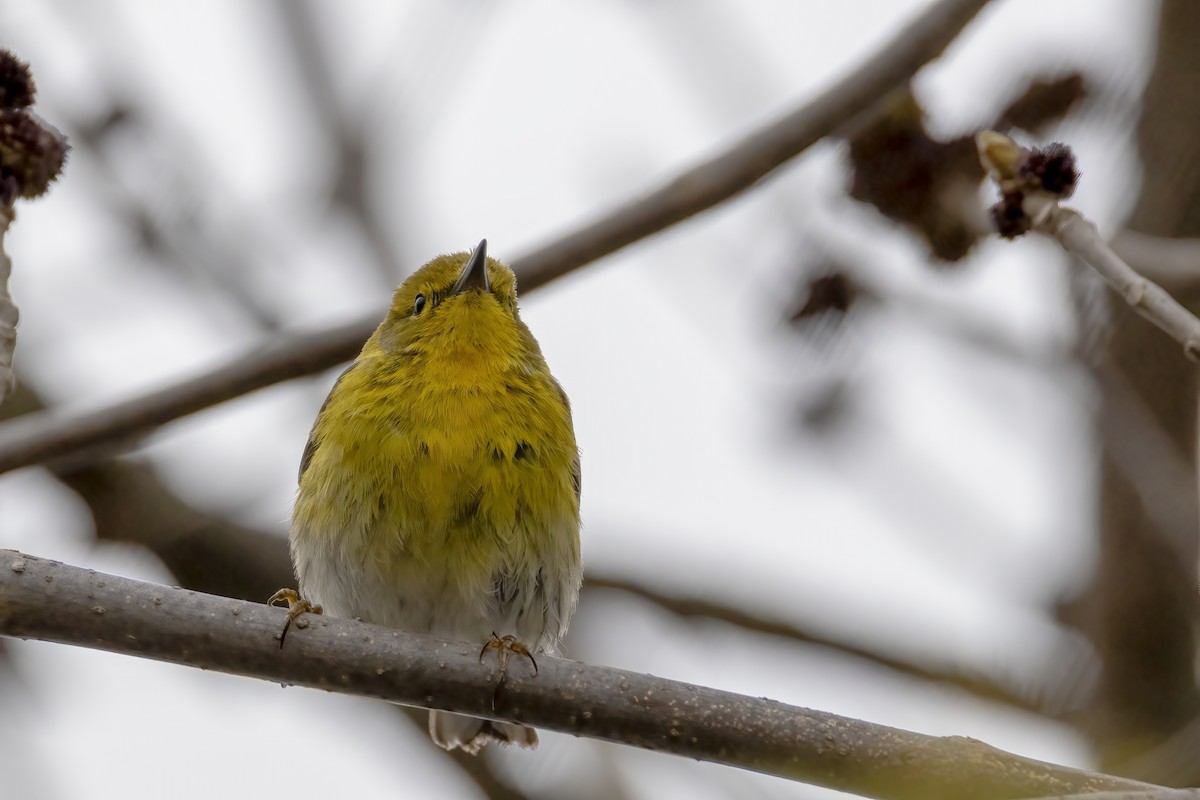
(693, 608)
(1139, 608)
(40, 438)
(1032, 183)
(153, 178)
(129, 503)
(1174, 759)
(347, 138)
(929, 185)
(163, 214)
(760, 153)
(43, 599)
(1161, 473)
(46, 436)
(834, 289)
(1174, 262)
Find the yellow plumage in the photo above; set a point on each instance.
(439, 491)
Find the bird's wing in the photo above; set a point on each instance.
(310, 447)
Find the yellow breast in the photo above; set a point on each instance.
(467, 476)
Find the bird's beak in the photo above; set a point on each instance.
(474, 272)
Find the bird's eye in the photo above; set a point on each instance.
(419, 304)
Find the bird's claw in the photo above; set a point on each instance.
(296, 606)
(506, 645)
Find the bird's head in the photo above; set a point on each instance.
(461, 306)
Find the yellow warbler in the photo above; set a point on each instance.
(439, 490)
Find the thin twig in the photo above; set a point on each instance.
(43, 599)
(38, 438)
(1079, 237)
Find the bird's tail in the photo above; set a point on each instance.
(471, 734)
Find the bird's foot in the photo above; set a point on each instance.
(507, 645)
(296, 606)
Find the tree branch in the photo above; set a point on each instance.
(46, 436)
(44, 599)
(757, 155)
(39, 438)
(1079, 237)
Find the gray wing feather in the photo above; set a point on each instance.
(310, 447)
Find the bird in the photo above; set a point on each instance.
(439, 488)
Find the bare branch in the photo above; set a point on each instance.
(45, 436)
(38, 438)
(43, 599)
(1079, 237)
(753, 158)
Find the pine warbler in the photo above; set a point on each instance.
(439, 489)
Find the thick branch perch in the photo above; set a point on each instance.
(43, 599)
(40, 438)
